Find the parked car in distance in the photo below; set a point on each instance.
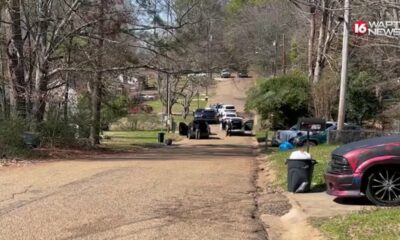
(290, 134)
(321, 137)
(243, 74)
(225, 117)
(147, 97)
(227, 107)
(237, 126)
(197, 75)
(198, 114)
(211, 116)
(225, 73)
(198, 129)
(368, 168)
(216, 106)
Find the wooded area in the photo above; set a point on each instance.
(61, 60)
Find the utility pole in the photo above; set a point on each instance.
(343, 76)
(275, 43)
(198, 99)
(168, 98)
(209, 40)
(168, 74)
(283, 55)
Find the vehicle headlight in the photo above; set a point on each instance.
(339, 160)
(339, 165)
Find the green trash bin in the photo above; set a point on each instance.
(300, 173)
(161, 136)
(31, 139)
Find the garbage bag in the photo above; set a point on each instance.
(285, 146)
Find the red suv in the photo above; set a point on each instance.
(367, 168)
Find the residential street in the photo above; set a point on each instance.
(197, 189)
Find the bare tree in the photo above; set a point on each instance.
(15, 52)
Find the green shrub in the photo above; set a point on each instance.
(81, 117)
(360, 88)
(114, 108)
(281, 100)
(11, 142)
(139, 121)
(54, 131)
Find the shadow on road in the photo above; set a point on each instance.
(182, 152)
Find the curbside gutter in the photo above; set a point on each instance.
(280, 214)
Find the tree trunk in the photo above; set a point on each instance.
(95, 108)
(16, 60)
(97, 82)
(42, 65)
(40, 89)
(321, 42)
(3, 100)
(67, 80)
(311, 39)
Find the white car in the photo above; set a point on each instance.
(226, 107)
(226, 117)
(148, 97)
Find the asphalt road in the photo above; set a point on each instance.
(197, 189)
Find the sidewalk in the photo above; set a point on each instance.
(294, 223)
(323, 205)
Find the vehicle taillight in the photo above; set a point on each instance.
(339, 165)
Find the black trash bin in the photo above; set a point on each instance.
(300, 172)
(161, 137)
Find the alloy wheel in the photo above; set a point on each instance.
(384, 187)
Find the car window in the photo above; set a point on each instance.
(331, 128)
(209, 113)
(230, 108)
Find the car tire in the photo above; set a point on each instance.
(383, 187)
(189, 136)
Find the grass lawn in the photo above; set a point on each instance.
(383, 223)
(261, 135)
(123, 140)
(177, 108)
(320, 153)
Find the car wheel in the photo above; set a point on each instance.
(189, 135)
(383, 187)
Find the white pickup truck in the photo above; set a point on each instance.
(290, 134)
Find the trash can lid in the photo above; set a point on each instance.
(300, 155)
